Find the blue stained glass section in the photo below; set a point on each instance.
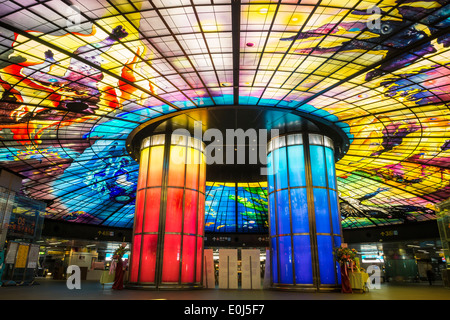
(296, 159)
(302, 256)
(220, 209)
(337, 241)
(326, 263)
(331, 170)
(283, 216)
(299, 208)
(286, 275)
(231, 207)
(318, 166)
(335, 216)
(321, 211)
(280, 165)
(270, 174)
(273, 225)
(274, 260)
(108, 188)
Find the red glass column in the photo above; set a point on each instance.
(168, 233)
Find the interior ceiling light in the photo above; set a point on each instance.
(71, 93)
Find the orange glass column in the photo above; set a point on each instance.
(168, 233)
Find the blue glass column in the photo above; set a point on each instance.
(304, 219)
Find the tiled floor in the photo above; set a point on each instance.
(93, 290)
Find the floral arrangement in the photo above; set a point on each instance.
(118, 254)
(345, 255)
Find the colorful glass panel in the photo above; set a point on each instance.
(72, 92)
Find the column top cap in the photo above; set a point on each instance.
(292, 139)
(176, 140)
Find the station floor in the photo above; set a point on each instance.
(48, 289)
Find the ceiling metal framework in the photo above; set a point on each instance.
(77, 77)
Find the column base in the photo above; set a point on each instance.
(138, 286)
(304, 288)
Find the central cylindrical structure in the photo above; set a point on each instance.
(167, 249)
(304, 219)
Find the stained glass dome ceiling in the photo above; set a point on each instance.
(76, 77)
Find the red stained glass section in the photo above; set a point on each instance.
(190, 211)
(148, 258)
(188, 259)
(174, 209)
(139, 211)
(199, 259)
(152, 206)
(135, 254)
(171, 258)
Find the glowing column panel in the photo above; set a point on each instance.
(169, 216)
(304, 219)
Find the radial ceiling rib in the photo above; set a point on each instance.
(182, 49)
(236, 23)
